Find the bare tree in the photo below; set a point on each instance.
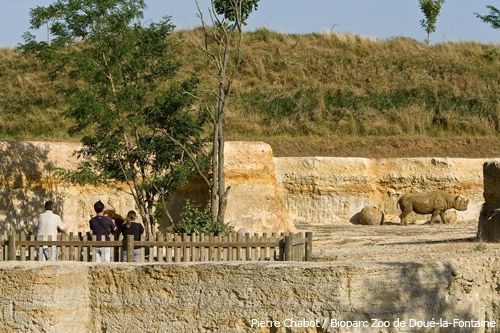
(221, 43)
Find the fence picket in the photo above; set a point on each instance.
(169, 238)
(63, 249)
(225, 248)
(85, 249)
(203, 249)
(22, 249)
(247, 247)
(185, 249)
(50, 250)
(168, 248)
(159, 238)
(218, 248)
(32, 249)
(195, 248)
(142, 250)
(211, 249)
(92, 250)
(177, 249)
(263, 249)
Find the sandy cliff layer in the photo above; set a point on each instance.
(70, 297)
(255, 201)
(328, 190)
(27, 179)
(268, 194)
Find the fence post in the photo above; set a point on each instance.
(288, 248)
(11, 247)
(309, 239)
(130, 248)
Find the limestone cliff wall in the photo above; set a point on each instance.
(328, 190)
(78, 297)
(255, 201)
(28, 178)
(268, 194)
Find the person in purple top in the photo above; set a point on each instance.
(102, 226)
(130, 227)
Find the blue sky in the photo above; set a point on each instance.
(371, 18)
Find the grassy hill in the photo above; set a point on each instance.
(317, 94)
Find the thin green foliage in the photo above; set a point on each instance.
(493, 18)
(198, 220)
(431, 10)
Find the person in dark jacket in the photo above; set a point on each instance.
(102, 226)
(130, 227)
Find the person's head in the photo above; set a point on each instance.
(49, 205)
(99, 207)
(131, 216)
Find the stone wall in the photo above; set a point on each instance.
(328, 190)
(78, 297)
(489, 219)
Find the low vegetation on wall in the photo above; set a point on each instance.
(301, 86)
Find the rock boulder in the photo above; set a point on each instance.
(371, 216)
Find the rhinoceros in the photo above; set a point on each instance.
(435, 203)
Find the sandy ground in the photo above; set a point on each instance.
(393, 242)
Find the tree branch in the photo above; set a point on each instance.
(188, 153)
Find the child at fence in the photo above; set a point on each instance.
(130, 227)
(102, 226)
(49, 224)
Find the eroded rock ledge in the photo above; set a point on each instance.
(268, 194)
(78, 297)
(330, 190)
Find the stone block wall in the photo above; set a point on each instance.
(489, 219)
(78, 297)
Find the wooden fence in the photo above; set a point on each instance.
(163, 248)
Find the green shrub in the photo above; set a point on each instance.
(197, 220)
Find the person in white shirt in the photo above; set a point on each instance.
(48, 225)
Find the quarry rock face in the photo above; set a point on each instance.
(489, 218)
(329, 190)
(267, 194)
(78, 297)
(255, 201)
(27, 180)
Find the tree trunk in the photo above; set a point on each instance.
(214, 191)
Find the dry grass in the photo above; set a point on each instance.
(386, 147)
(321, 86)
